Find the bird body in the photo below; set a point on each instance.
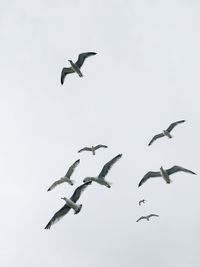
(100, 179)
(70, 204)
(67, 176)
(166, 132)
(164, 174)
(141, 201)
(147, 217)
(75, 67)
(92, 148)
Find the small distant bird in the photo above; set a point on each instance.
(100, 179)
(141, 201)
(147, 217)
(70, 204)
(166, 132)
(93, 148)
(67, 176)
(75, 67)
(164, 174)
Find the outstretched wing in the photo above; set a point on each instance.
(99, 146)
(57, 216)
(178, 169)
(171, 127)
(72, 168)
(143, 217)
(108, 166)
(85, 149)
(156, 137)
(153, 215)
(64, 72)
(147, 176)
(77, 193)
(60, 181)
(82, 57)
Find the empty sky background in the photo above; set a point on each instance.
(145, 76)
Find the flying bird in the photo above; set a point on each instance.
(166, 132)
(100, 179)
(164, 174)
(75, 67)
(70, 204)
(147, 217)
(141, 201)
(93, 148)
(67, 176)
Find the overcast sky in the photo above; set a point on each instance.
(145, 76)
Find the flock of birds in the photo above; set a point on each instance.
(71, 203)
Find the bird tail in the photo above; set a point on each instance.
(109, 184)
(78, 209)
(169, 181)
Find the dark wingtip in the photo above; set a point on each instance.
(48, 190)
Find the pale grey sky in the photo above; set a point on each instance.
(145, 76)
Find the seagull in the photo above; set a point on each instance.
(166, 132)
(164, 174)
(93, 148)
(141, 201)
(75, 67)
(147, 217)
(67, 176)
(100, 179)
(70, 203)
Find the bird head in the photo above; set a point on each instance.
(87, 179)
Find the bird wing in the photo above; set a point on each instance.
(64, 72)
(156, 137)
(60, 181)
(143, 217)
(85, 149)
(171, 127)
(108, 166)
(178, 169)
(77, 193)
(72, 168)
(147, 176)
(82, 57)
(99, 146)
(57, 216)
(153, 215)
